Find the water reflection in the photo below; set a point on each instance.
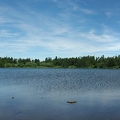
(42, 94)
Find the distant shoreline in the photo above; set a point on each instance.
(77, 62)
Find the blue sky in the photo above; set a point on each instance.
(63, 28)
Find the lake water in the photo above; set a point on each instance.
(42, 94)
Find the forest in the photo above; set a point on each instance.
(57, 62)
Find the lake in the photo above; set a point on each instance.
(42, 94)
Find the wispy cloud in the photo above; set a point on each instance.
(88, 11)
(104, 38)
(109, 14)
(63, 34)
(55, 0)
(7, 34)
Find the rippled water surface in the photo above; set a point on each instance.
(42, 94)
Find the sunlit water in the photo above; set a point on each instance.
(42, 94)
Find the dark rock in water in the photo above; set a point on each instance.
(72, 102)
(12, 97)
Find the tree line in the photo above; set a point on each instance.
(57, 62)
